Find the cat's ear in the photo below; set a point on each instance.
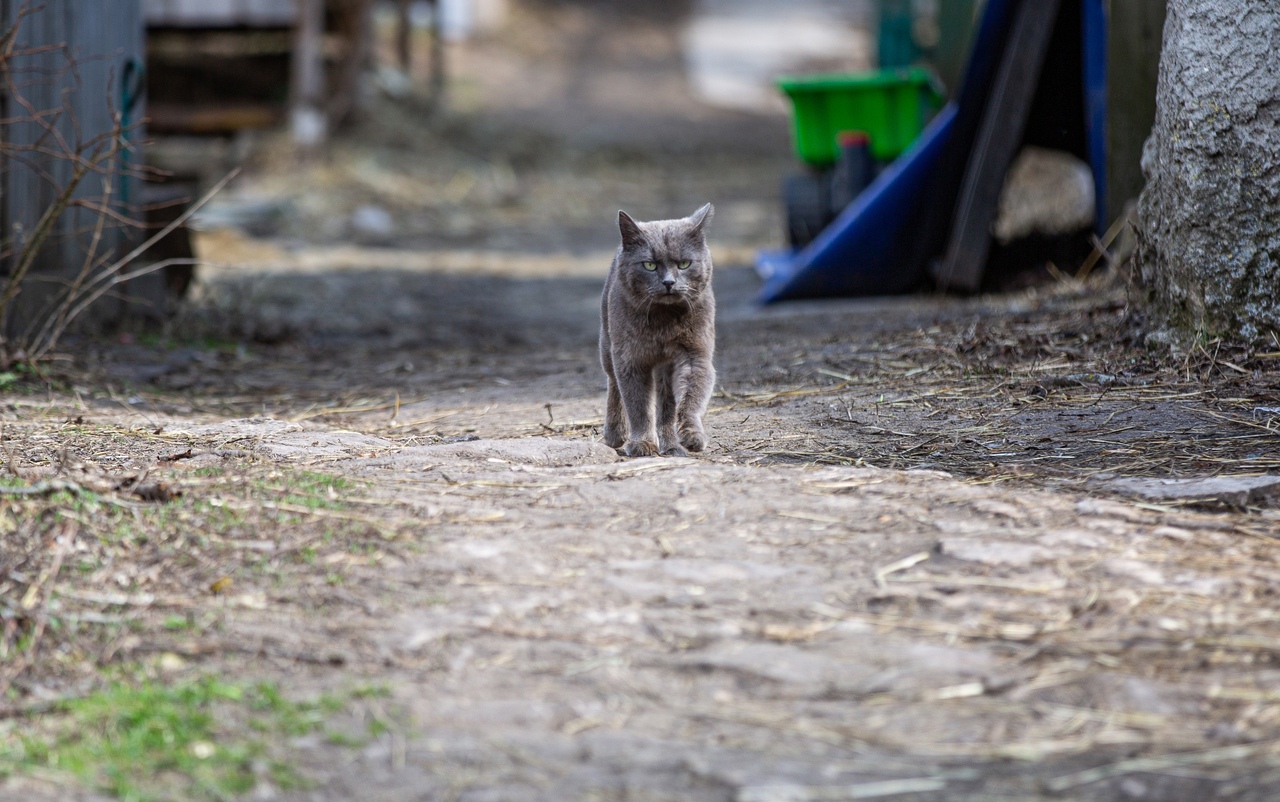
(630, 230)
(699, 220)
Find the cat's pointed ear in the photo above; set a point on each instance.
(630, 229)
(699, 220)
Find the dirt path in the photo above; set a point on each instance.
(553, 622)
(370, 469)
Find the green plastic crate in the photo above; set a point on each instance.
(892, 106)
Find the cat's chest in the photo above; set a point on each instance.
(665, 339)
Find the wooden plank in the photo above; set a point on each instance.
(1136, 31)
(220, 118)
(999, 136)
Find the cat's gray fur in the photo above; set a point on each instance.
(658, 336)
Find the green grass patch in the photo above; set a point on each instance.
(228, 505)
(314, 490)
(178, 623)
(165, 342)
(193, 739)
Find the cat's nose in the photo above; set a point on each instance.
(668, 283)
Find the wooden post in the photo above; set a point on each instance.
(404, 36)
(354, 24)
(894, 44)
(308, 122)
(1135, 30)
(437, 55)
(955, 25)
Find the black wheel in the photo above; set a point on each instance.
(854, 171)
(808, 202)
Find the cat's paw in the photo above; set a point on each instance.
(641, 448)
(692, 440)
(675, 450)
(613, 439)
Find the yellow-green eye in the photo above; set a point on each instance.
(683, 265)
(650, 265)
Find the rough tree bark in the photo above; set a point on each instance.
(1210, 213)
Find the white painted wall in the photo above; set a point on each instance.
(735, 49)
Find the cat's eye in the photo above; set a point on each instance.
(650, 266)
(683, 265)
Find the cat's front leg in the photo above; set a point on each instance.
(636, 389)
(615, 422)
(668, 439)
(695, 380)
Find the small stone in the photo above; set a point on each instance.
(773, 793)
(240, 428)
(993, 552)
(289, 445)
(1173, 533)
(541, 451)
(251, 601)
(372, 220)
(1133, 569)
(168, 662)
(1236, 491)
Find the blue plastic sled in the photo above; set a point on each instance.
(883, 241)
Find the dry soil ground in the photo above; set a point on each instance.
(901, 572)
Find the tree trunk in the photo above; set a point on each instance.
(1210, 212)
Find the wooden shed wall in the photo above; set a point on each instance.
(78, 79)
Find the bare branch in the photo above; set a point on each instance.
(51, 146)
(111, 276)
(58, 320)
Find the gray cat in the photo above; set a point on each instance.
(658, 335)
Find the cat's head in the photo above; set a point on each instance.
(665, 261)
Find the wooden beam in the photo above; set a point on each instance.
(354, 28)
(404, 36)
(212, 118)
(999, 137)
(437, 55)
